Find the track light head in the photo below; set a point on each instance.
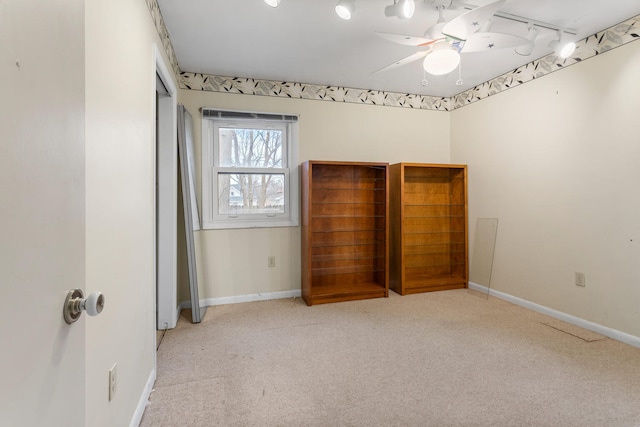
(403, 9)
(345, 9)
(527, 49)
(562, 47)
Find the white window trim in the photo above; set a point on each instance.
(210, 217)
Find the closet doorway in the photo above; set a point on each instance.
(166, 196)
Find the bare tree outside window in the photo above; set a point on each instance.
(258, 150)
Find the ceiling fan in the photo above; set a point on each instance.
(445, 41)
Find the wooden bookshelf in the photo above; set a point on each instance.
(428, 230)
(345, 231)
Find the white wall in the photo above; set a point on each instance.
(41, 212)
(120, 210)
(234, 262)
(556, 161)
(77, 208)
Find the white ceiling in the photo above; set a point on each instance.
(304, 41)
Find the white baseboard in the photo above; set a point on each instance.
(294, 293)
(144, 400)
(594, 327)
(179, 309)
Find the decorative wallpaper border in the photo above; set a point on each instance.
(206, 82)
(156, 16)
(599, 43)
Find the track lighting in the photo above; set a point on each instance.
(527, 49)
(562, 47)
(345, 9)
(272, 3)
(403, 9)
(442, 60)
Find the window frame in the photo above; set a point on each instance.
(212, 121)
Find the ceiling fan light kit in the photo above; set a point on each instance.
(442, 60)
(403, 9)
(345, 8)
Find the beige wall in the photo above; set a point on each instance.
(556, 161)
(234, 262)
(120, 111)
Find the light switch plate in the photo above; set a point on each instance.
(113, 381)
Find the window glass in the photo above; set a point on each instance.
(250, 193)
(240, 147)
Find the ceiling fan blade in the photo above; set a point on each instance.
(406, 40)
(462, 26)
(404, 61)
(480, 42)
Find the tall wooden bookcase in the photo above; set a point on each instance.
(428, 227)
(345, 231)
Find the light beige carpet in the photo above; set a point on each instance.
(451, 358)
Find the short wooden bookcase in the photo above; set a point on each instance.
(345, 231)
(428, 231)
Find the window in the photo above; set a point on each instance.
(249, 169)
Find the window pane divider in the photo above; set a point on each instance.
(250, 170)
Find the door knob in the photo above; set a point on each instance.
(75, 304)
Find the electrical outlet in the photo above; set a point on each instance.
(113, 381)
(580, 279)
(271, 261)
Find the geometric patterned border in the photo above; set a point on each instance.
(589, 47)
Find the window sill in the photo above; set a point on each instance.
(226, 225)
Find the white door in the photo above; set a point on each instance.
(42, 205)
